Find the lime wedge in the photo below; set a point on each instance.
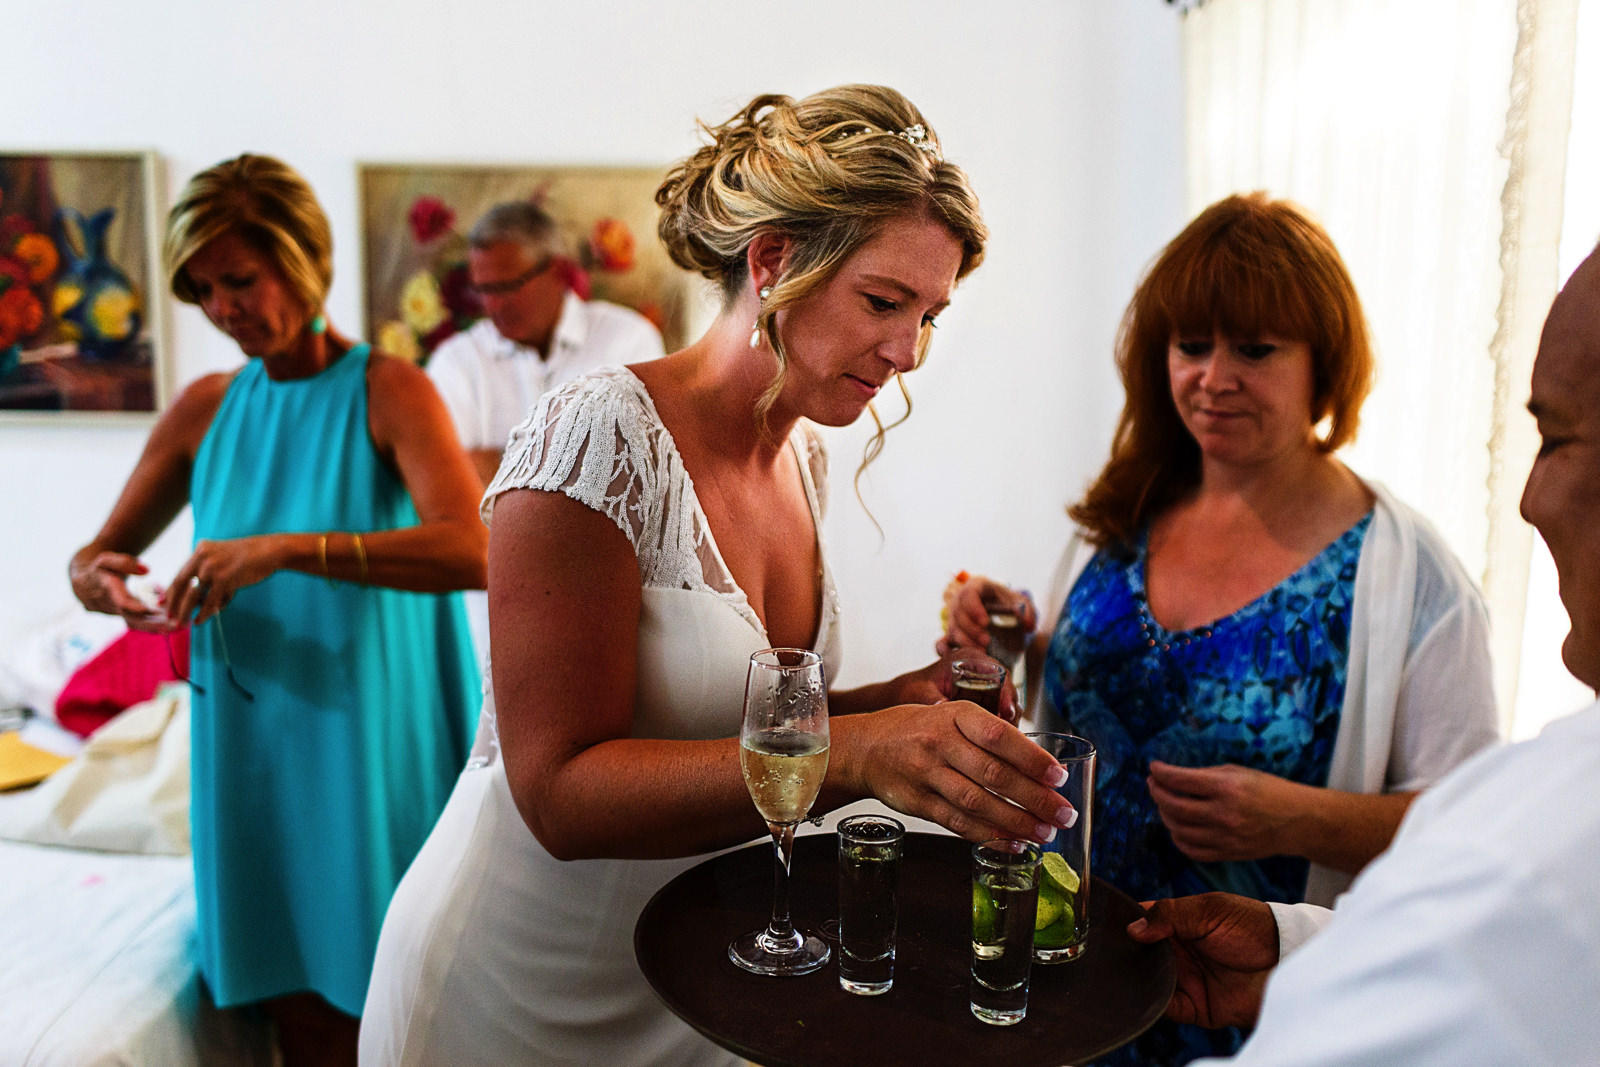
(1058, 934)
(982, 914)
(1059, 873)
(1048, 911)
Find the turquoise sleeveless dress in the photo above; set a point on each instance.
(330, 719)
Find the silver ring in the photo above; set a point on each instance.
(194, 583)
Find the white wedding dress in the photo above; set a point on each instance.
(494, 952)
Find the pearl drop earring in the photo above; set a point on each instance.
(755, 334)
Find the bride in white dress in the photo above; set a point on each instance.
(651, 527)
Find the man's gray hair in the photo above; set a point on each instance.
(520, 222)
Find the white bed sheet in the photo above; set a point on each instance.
(96, 966)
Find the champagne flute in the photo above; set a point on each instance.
(783, 752)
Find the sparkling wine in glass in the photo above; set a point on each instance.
(783, 751)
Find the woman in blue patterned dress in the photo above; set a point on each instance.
(1271, 655)
(335, 689)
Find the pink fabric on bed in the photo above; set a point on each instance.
(127, 672)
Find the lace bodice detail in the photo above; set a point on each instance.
(599, 440)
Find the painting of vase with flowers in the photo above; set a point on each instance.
(415, 221)
(77, 265)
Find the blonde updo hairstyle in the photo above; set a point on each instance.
(272, 208)
(826, 172)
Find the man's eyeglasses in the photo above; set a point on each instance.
(511, 285)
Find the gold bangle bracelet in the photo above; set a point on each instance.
(361, 558)
(322, 555)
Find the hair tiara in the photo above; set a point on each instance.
(916, 136)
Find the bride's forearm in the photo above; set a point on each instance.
(634, 798)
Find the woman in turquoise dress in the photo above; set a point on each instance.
(1271, 654)
(334, 687)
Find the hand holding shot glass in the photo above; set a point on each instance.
(983, 614)
(978, 679)
(1009, 625)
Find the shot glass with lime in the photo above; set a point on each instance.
(1005, 885)
(1061, 920)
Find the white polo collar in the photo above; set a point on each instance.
(572, 329)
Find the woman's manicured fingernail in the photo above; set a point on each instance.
(1056, 777)
(1067, 817)
(1137, 926)
(1046, 834)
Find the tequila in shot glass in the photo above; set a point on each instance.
(1008, 639)
(1006, 636)
(1005, 895)
(869, 885)
(978, 680)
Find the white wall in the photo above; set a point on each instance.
(1066, 113)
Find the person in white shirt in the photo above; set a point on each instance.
(1474, 938)
(538, 334)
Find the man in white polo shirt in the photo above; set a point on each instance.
(538, 333)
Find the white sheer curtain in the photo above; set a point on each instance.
(1545, 690)
(1418, 132)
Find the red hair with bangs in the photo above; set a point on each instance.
(1247, 267)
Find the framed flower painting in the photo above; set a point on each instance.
(415, 220)
(80, 284)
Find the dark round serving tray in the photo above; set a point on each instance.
(1076, 1011)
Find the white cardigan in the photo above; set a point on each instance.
(1419, 690)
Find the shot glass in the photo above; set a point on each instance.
(1005, 895)
(978, 680)
(1006, 637)
(869, 886)
(1062, 930)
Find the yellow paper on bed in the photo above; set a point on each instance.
(22, 764)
